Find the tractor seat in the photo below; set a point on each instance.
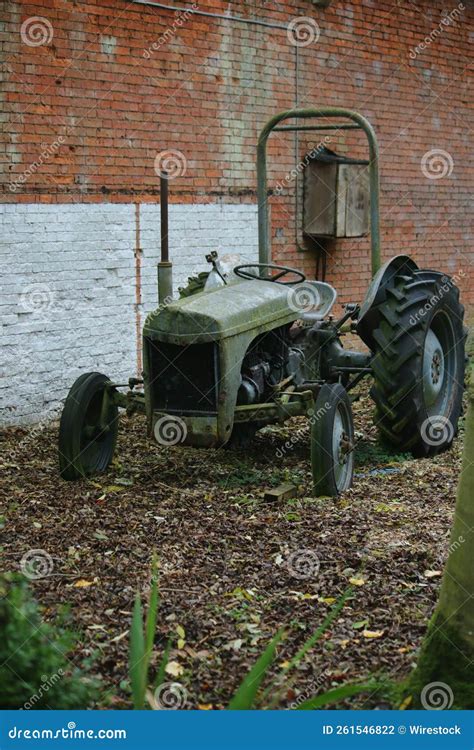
(314, 298)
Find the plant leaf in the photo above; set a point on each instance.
(304, 649)
(150, 627)
(137, 668)
(160, 675)
(319, 631)
(245, 696)
(332, 696)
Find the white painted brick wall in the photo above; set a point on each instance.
(67, 289)
(194, 230)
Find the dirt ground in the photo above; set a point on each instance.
(234, 568)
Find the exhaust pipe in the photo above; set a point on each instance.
(165, 267)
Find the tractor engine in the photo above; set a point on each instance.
(269, 362)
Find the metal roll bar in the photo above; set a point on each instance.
(264, 251)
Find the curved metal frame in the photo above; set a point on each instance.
(360, 123)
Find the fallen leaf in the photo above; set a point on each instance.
(234, 645)
(174, 669)
(357, 581)
(100, 535)
(431, 573)
(241, 593)
(205, 706)
(360, 624)
(83, 584)
(118, 638)
(372, 633)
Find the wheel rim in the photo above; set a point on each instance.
(342, 448)
(439, 365)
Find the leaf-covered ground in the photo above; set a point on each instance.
(234, 568)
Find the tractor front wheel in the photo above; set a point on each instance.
(419, 361)
(332, 441)
(88, 428)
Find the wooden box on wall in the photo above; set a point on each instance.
(336, 196)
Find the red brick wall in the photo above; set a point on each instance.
(93, 106)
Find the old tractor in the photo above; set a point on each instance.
(247, 345)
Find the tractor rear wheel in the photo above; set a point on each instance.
(419, 362)
(332, 441)
(88, 428)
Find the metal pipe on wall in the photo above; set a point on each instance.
(223, 16)
(165, 267)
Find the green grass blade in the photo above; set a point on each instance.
(150, 627)
(333, 696)
(330, 617)
(246, 694)
(161, 674)
(303, 650)
(137, 667)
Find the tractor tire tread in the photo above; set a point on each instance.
(404, 317)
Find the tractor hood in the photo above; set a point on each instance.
(222, 312)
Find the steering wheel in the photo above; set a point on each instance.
(283, 271)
